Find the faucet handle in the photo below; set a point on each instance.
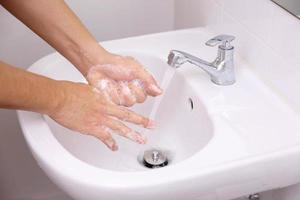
(224, 39)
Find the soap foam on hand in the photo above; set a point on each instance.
(103, 87)
(108, 87)
(116, 92)
(125, 93)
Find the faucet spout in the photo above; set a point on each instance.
(221, 70)
(177, 58)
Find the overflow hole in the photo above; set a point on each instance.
(191, 103)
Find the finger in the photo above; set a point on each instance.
(150, 84)
(104, 135)
(124, 131)
(127, 98)
(109, 88)
(128, 115)
(137, 90)
(113, 92)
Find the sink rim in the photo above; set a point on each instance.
(117, 178)
(167, 176)
(63, 158)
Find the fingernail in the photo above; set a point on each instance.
(156, 89)
(114, 147)
(151, 124)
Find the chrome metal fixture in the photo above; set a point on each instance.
(221, 70)
(155, 158)
(254, 197)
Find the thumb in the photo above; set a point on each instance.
(153, 89)
(150, 85)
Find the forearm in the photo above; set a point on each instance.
(58, 25)
(24, 90)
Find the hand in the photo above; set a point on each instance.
(123, 80)
(84, 109)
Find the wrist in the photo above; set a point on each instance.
(88, 56)
(70, 96)
(57, 97)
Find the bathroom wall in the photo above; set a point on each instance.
(267, 37)
(291, 5)
(106, 19)
(20, 177)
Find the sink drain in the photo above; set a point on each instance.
(154, 159)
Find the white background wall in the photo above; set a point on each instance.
(20, 177)
(291, 5)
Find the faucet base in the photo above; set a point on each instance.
(222, 82)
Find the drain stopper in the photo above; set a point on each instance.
(155, 158)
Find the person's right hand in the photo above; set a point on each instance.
(86, 110)
(122, 79)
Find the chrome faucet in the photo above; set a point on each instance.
(221, 70)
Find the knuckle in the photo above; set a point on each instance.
(105, 136)
(129, 103)
(103, 109)
(124, 130)
(141, 99)
(125, 114)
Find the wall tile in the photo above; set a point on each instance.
(268, 40)
(193, 13)
(285, 35)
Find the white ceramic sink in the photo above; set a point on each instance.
(181, 132)
(234, 140)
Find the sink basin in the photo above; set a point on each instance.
(182, 131)
(222, 142)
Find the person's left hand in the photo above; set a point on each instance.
(123, 80)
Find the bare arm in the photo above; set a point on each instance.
(95, 115)
(59, 26)
(27, 91)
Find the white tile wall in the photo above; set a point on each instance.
(267, 36)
